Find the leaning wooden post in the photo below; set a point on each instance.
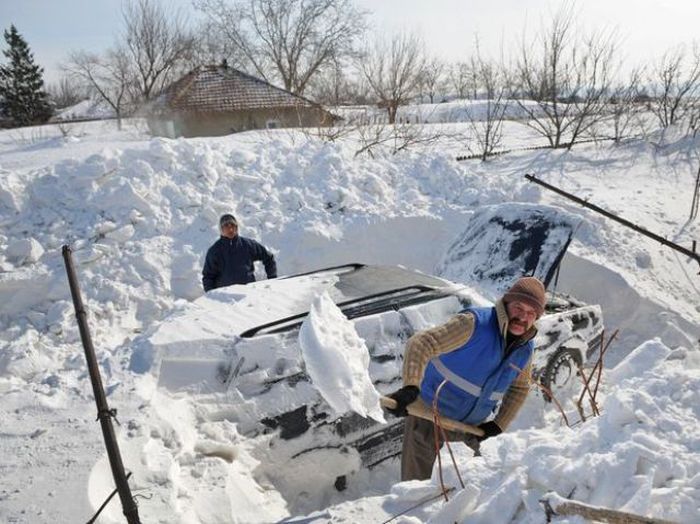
(687, 252)
(104, 414)
(555, 505)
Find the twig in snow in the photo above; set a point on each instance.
(554, 505)
(548, 392)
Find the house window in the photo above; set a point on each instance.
(272, 124)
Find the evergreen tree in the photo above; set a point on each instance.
(22, 95)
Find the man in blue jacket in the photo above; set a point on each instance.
(476, 368)
(230, 260)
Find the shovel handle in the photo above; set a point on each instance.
(419, 409)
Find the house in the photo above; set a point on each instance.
(218, 100)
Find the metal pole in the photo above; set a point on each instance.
(690, 253)
(103, 412)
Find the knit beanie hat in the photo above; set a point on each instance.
(227, 219)
(529, 290)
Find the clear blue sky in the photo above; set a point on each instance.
(53, 28)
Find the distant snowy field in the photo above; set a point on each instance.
(140, 214)
(445, 112)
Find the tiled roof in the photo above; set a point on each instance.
(221, 88)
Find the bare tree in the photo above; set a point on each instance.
(590, 91)
(676, 81)
(624, 105)
(109, 77)
(487, 126)
(65, 93)
(154, 47)
(335, 86)
(289, 40)
(393, 138)
(330, 86)
(433, 78)
(393, 70)
(694, 117)
(157, 43)
(463, 79)
(212, 47)
(568, 78)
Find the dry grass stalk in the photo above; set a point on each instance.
(547, 392)
(597, 370)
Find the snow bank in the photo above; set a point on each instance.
(139, 220)
(639, 456)
(444, 112)
(85, 110)
(139, 214)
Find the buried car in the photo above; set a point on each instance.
(237, 349)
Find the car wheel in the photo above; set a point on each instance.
(561, 369)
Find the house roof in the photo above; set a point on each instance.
(222, 88)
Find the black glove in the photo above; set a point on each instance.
(403, 398)
(490, 429)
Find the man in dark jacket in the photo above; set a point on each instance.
(476, 367)
(230, 259)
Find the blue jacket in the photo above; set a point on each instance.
(478, 373)
(230, 261)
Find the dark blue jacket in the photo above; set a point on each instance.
(230, 261)
(478, 373)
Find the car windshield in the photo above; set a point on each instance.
(364, 290)
(365, 281)
(501, 243)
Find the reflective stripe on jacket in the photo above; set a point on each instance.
(478, 373)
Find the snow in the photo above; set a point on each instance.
(85, 110)
(444, 112)
(639, 456)
(337, 360)
(139, 214)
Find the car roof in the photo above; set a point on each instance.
(360, 290)
(228, 312)
(359, 280)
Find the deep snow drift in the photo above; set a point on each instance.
(140, 213)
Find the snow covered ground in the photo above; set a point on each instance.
(140, 213)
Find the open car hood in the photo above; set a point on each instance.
(507, 241)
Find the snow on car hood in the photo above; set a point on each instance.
(213, 321)
(506, 241)
(210, 325)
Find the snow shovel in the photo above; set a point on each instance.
(419, 409)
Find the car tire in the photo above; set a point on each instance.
(562, 367)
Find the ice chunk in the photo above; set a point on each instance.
(337, 360)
